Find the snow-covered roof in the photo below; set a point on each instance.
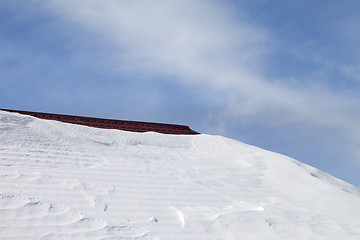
(65, 181)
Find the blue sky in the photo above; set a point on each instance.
(281, 75)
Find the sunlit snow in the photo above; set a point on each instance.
(63, 181)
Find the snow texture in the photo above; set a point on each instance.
(63, 181)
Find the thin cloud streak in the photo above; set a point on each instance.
(199, 44)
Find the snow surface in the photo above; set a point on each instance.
(63, 181)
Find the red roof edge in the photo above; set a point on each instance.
(132, 126)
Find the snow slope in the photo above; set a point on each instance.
(63, 181)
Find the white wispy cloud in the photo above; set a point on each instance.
(204, 45)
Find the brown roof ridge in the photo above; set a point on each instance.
(125, 125)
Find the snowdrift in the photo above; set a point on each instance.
(63, 181)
